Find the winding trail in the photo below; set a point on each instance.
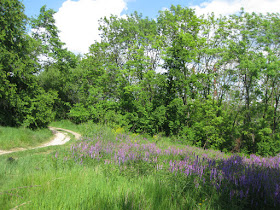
(59, 138)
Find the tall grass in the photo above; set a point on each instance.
(88, 129)
(22, 137)
(51, 186)
(113, 170)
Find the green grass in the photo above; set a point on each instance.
(88, 130)
(50, 178)
(22, 137)
(67, 125)
(47, 184)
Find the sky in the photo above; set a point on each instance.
(77, 20)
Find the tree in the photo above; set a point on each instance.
(20, 92)
(55, 61)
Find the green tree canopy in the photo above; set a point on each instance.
(20, 93)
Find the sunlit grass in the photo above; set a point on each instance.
(22, 137)
(116, 170)
(88, 129)
(54, 185)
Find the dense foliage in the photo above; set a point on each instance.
(22, 100)
(211, 81)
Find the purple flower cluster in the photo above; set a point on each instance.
(251, 179)
(255, 177)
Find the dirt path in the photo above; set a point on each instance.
(59, 138)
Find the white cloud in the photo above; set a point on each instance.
(78, 21)
(226, 7)
(164, 9)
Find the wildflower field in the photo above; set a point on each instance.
(247, 181)
(109, 170)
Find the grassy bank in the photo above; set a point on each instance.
(85, 129)
(22, 137)
(109, 169)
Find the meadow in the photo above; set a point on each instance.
(112, 169)
(22, 137)
(182, 78)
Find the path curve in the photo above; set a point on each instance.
(59, 138)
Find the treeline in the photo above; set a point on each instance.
(211, 81)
